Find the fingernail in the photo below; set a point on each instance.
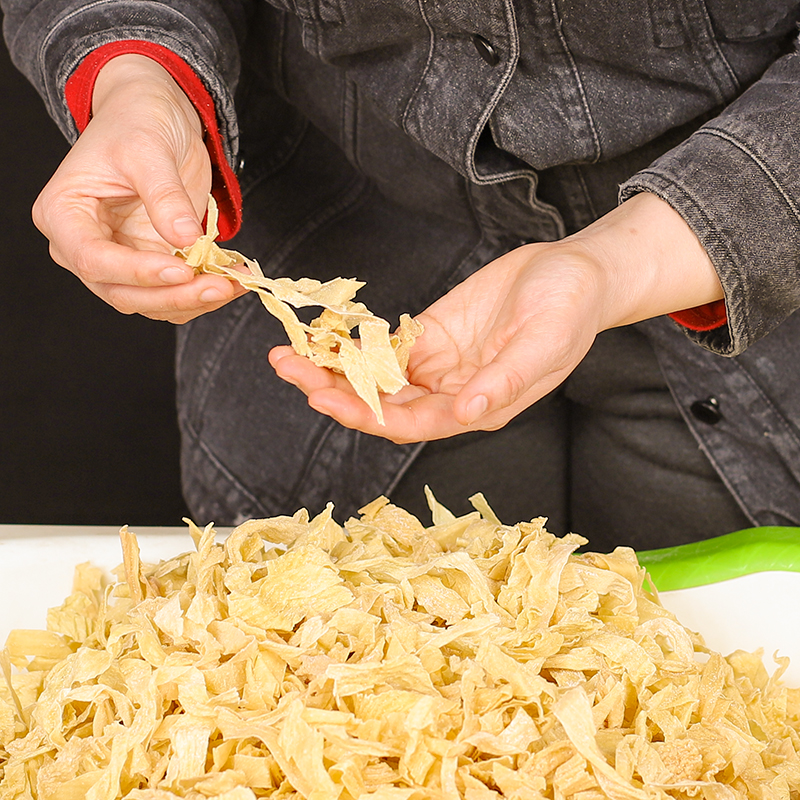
(211, 295)
(174, 275)
(476, 408)
(187, 226)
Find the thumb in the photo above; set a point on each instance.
(494, 387)
(528, 367)
(168, 204)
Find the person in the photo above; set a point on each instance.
(591, 207)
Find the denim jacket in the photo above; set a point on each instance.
(697, 101)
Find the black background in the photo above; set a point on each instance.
(88, 433)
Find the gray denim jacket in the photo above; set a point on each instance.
(697, 101)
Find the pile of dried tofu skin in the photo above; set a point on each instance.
(387, 660)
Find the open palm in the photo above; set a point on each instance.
(492, 346)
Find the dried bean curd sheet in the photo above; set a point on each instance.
(383, 659)
(377, 365)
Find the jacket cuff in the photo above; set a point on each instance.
(735, 183)
(78, 94)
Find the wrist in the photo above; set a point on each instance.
(126, 77)
(650, 261)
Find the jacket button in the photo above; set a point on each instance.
(707, 410)
(485, 50)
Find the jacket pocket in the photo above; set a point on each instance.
(737, 21)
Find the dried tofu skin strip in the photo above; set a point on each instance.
(378, 365)
(385, 659)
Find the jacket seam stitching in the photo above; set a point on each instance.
(778, 415)
(78, 12)
(258, 176)
(717, 464)
(218, 465)
(350, 120)
(414, 451)
(426, 68)
(578, 82)
(446, 282)
(483, 120)
(715, 50)
(708, 449)
(293, 494)
(762, 165)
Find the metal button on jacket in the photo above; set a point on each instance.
(707, 410)
(485, 49)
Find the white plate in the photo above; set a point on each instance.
(37, 564)
(746, 613)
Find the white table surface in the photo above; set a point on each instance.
(37, 564)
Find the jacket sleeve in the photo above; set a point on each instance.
(48, 40)
(736, 182)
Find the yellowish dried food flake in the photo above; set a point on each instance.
(385, 659)
(376, 366)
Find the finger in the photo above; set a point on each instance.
(167, 201)
(327, 392)
(309, 378)
(178, 304)
(82, 242)
(98, 261)
(302, 373)
(413, 414)
(422, 417)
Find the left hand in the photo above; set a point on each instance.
(514, 330)
(135, 185)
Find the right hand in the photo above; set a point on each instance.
(133, 187)
(515, 329)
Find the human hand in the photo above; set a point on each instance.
(492, 346)
(514, 330)
(133, 187)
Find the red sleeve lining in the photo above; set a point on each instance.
(703, 318)
(78, 93)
